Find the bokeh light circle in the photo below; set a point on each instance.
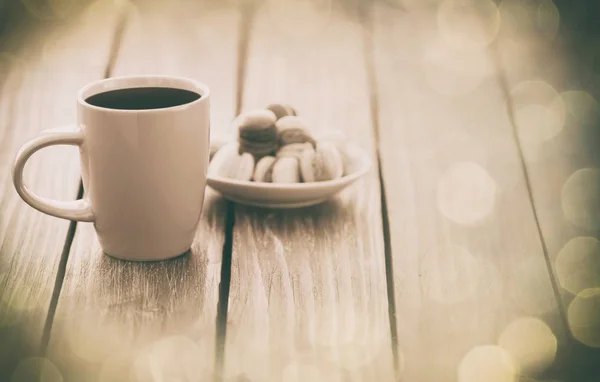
(531, 343)
(515, 18)
(547, 19)
(581, 106)
(578, 264)
(466, 193)
(532, 20)
(487, 363)
(37, 369)
(468, 24)
(583, 316)
(580, 198)
(539, 111)
(516, 59)
(453, 72)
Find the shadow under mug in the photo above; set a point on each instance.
(144, 169)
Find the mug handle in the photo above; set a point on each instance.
(80, 210)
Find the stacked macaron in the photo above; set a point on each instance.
(276, 146)
(257, 134)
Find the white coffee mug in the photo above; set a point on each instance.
(144, 170)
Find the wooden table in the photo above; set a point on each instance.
(469, 253)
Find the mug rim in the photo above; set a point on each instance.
(136, 81)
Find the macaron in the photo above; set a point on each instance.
(257, 133)
(281, 110)
(286, 170)
(322, 163)
(220, 162)
(293, 150)
(291, 129)
(244, 168)
(258, 149)
(227, 162)
(264, 169)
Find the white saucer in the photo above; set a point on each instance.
(275, 195)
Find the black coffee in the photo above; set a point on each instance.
(142, 98)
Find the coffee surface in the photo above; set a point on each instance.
(142, 98)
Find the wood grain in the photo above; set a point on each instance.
(117, 320)
(308, 295)
(42, 66)
(471, 282)
(562, 160)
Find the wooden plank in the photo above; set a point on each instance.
(155, 320)
(42, 66)
(472, 289)
(557, 76)
(308, 294)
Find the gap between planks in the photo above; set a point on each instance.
(247, 15)
(504, 88)
(64, 257)
(367, 23)
(58, 282)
